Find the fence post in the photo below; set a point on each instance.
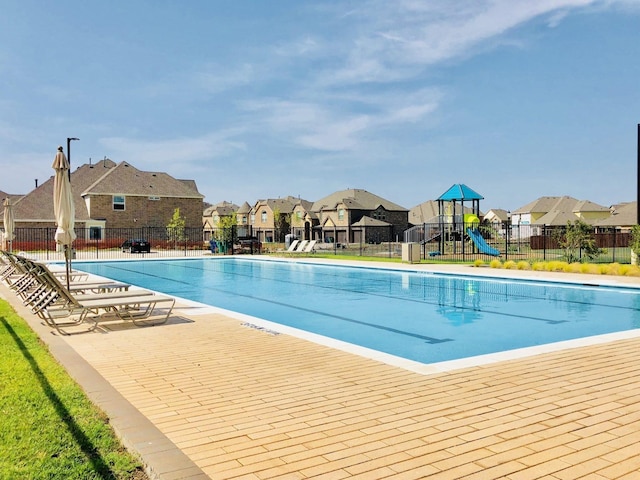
(506, 240)
(615, 245)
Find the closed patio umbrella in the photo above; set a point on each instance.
(63, 207)
(9, 224)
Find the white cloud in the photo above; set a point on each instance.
(401, 38)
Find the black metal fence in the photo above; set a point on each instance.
(514, 242)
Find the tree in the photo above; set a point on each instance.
(226, 230)
(176, 227)
(282, 225)
(635, 244)
(578, 242)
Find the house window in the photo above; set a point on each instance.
(118, 202)
(299, 215)
(244, 219)
(263, 217)
(253, 218)
(95, 233)
(216, 219)
(341, 214)
(379, 215)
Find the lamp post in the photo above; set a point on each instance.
(69, 153)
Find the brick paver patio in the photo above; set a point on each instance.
(246, 403)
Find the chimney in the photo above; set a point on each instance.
(36, 183)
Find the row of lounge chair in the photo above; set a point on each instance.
(302, 246)
(86, 301)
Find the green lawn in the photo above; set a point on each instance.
(48, 427)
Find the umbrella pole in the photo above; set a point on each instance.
(67, 261)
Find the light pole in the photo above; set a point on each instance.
(69, 153)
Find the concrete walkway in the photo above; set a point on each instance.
(210, 396)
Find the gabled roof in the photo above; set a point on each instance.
(623, 215)
(561, 204)
(370, 222)
(11, 196)
(557, 218)
(547, 204)
(356, 199)
(306, 206)
(284, 205)
(428, 212)
(223, 208)
(498, 213)
(588, 206)
(460, 191)
(101, 178)
(125, 179)
(244, 208)
(37, 205)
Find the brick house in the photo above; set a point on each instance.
(303, 220)
(263, 218)
(355, 216)
(110, 195)
(212, 216)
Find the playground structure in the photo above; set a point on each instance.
(456, 228)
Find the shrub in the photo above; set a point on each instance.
(478, 263)
(523, 265)
(495, 263)
(509, 264)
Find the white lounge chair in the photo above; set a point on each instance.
(293, 246)
(301, 246)
(310, 246)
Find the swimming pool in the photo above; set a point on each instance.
(424, 317)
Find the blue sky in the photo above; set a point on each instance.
(515, 98)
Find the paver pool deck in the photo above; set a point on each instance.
(206, 396)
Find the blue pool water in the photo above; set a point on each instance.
(419, 316)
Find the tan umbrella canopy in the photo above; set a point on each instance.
(9, 224)
(63, 207)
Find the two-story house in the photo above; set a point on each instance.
(270, 219)
(358, 216)
(213, 217)
(303, 220)
(116, 196)
(555, 212)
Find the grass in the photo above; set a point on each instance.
(48, 427)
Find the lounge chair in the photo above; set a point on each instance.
(59, 308)
(310, 246)
(301, 246)
(293, 246)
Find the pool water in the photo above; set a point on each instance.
(418, 316)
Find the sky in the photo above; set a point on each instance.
(516, 99)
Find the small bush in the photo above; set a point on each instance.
(495, 263)
(478, 263)
(509, 264)
(523, 265)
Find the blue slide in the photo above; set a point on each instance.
(479, 242)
